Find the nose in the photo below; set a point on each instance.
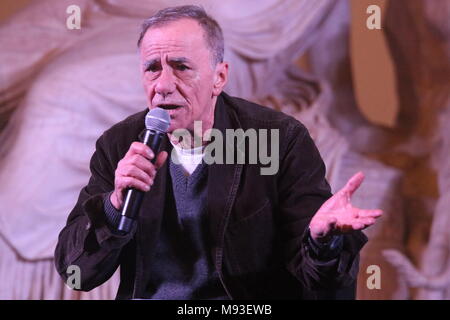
(165, 84)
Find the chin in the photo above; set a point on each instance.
(175, 125)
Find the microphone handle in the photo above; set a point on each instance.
(133, 197)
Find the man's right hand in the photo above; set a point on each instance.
(135, 171)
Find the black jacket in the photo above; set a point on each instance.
(257, 223)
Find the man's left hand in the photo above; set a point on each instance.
(338, 216)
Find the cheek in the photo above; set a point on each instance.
(146, 81)
(202, 88)
(148, 86)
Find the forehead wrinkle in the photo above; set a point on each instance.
(166, 45)
(172, 55)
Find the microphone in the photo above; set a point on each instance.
(157, 122)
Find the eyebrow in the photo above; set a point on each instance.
(179, 60)
(156, 60)
(150, 62)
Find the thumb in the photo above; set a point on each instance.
(353, 183)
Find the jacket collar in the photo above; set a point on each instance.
(223, 183)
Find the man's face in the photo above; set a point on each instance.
(178, 73)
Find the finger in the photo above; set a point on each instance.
(160, 159)
(353, 183)
(142, 163)
(137, 173)
(358, 225)
(130, 182)
(363, 223)
(140, 148)
(367, 221)
(370, 213)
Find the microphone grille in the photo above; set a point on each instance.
(157, 119)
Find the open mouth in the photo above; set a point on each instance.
(169, 106)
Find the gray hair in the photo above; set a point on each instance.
(213, 32)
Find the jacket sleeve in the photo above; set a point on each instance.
(87, 241)
(303, 189)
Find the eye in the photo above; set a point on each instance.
(153, 67)
(181, 67)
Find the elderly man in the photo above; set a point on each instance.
(210, 230)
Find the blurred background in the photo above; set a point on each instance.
(374, 99)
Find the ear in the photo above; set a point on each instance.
(220, 78)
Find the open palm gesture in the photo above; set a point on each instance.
(337, 215)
